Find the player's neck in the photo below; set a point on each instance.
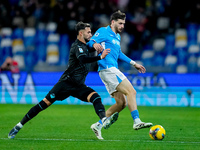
(113, 29)
(81, 39)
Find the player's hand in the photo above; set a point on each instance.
(105, 53)
(140, 68)
(98, 47)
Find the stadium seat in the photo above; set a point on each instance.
(147, 57)
(18, 33)
(194, 50)
(159, 44)
(181, 69)
(170, 44)
(159, 60)
(41, 34)
(192, 64)
(30, 60)
(192, 33)
(51, 27)
(41, 52)
(198, 64)
(5, 49)
(6, 32)
(198, 36)
(52, 54)
(180, 38)
(182, 55)
(18, 51)
(171, 61)
(29, 38)
(53, 38)
(64, 49)
(163, 23)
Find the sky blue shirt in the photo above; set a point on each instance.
(108, 39)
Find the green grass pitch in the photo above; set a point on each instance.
(68, 127)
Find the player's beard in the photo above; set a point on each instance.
(118, 30)
(87, 40)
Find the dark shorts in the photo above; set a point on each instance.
(63, 90)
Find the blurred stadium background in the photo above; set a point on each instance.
(163, 35)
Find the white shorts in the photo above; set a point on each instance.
(111, 77)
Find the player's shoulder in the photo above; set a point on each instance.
(102, 29)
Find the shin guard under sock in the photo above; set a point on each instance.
(34, 111)
(98, 106)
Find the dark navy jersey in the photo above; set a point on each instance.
(79, 63)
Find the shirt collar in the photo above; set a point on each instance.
(111, 31)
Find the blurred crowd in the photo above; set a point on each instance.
(142, 22)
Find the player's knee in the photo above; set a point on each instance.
(134, 92)
(131, 91)
(43, 105)
(95, 98)
(121, 104)
(47, 101)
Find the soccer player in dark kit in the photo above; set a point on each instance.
(72, 82)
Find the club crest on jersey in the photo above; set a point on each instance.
(52, 96)
(80, 50)
(97, 34)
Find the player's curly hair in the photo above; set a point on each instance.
(81, 26)
(118, 15)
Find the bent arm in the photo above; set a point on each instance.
(89, 59)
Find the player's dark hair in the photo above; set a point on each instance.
(118, 15)
(81, 26)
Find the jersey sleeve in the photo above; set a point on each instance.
(98, 37)
(124, 58)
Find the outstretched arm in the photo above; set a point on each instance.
(139, 67)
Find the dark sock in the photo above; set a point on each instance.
(34, 111)
(98, 106)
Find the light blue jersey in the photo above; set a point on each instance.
(108, 39)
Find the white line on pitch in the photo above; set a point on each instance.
(88, 140)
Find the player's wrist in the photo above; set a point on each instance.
(101, 57)
(133, 63)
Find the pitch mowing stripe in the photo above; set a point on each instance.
(84, 140)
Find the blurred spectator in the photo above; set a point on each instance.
(136, 26)
(192, 15)
(10, 65)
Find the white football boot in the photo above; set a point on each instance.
(141, 125)
(96, 128)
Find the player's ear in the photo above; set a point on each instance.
(81, 32)
(112, 21)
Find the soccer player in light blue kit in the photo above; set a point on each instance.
(118, 86)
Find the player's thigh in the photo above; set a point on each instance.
(60, 91)
(125, 87)
(82, 92)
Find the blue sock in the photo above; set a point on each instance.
(135, 114)
(100, 122)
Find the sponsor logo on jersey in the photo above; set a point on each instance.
(115, 42)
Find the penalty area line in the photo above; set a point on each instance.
(88, 140)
